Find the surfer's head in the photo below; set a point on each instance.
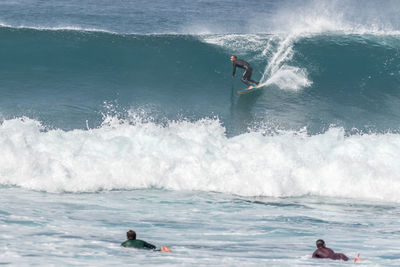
(320, 243)
(233, 58)
(131, 235)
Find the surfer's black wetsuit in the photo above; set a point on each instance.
(246, 77)
(136, 243)
(327, 253)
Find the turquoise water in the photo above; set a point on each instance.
(71, 79)
(124, 115)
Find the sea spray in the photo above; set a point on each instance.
(198, 156)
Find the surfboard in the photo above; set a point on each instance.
(245, 91)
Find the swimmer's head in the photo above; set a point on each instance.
(320, 243)
(233, 58)
(131, 235)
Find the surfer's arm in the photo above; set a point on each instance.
(234, 70)
(319, 253)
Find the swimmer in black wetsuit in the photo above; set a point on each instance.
(136, 243)
(132, 242)
(246, 77)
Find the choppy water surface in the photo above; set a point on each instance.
(124, 115)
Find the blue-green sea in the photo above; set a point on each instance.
(118, 115)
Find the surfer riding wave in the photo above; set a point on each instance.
(246, 77)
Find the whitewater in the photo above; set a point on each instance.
(198, 156)
(124, 115)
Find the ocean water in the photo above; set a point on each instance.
(124, 115)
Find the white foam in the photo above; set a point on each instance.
(279, 70)
(242, 43)
(198, 156)
(276, 51)
(55, 28)
(290, 78)
(350, 17)
(294, 20)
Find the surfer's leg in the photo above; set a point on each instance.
(253, 81)
(244, 78)
(248, 77)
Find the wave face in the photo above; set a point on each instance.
(69, 79)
